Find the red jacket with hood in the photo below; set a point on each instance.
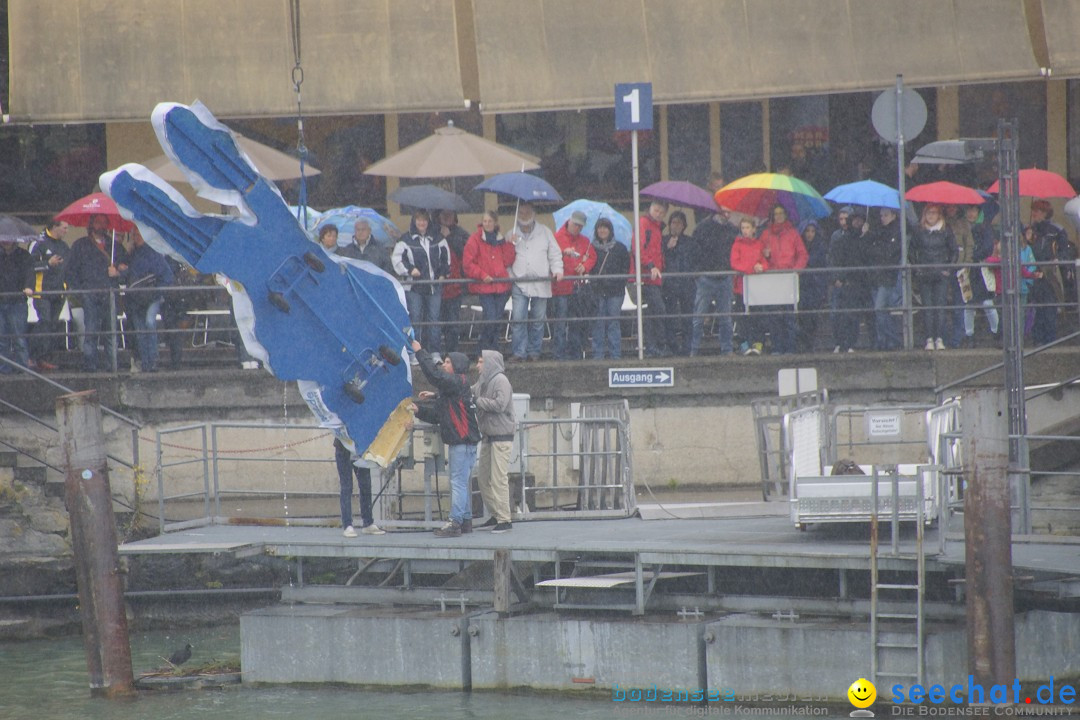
(482, 258)
(652, 250)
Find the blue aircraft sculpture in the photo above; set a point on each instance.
(336, 325)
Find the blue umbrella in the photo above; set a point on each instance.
(523, 186)
(345, 218)
(429, 197)
(868, 193)
(313, 216)
(594, 211)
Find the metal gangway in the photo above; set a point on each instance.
(832, 451)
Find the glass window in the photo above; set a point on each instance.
(581, 153)
(688, 143)
(46, 167)
(981, 106)
(740, 140)
(1072, 119)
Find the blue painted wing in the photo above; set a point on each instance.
(340, 326)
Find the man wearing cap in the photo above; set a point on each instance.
(578, 257)
(537, 261)
(16, 284)
(1047, 290)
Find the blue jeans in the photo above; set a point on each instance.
(491, 311)
(607, 331)
(462, 459)
(560, 311)
(708, 290)
(345, 471)
(95, 324)
(13, 332)
(146, 339)
(424, 309)
(887, 335)
(527, 337)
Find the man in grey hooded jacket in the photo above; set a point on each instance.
(495, 415)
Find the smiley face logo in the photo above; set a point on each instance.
(862, 693)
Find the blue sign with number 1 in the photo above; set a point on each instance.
(633, 106)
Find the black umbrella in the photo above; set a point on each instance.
(14, 229)
(429, 197)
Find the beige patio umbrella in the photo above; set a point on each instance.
(272, 164)
(452, 152)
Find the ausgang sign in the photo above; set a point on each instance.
(640, 377)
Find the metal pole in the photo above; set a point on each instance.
(637, 246)
(1012, 316)
(901, 183)
(987, 539)
(93, 538)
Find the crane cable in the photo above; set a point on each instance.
(297, 81)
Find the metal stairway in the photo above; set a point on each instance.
(897, 620)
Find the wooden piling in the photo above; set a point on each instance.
(502, 571)
(94, 540)
(988, 538)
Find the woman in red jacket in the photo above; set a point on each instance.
(486, 260)
(785, 250)
(748, 256)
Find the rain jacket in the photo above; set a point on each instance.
(786, 248)
(933, 246)
(494, 400)
(612, 259)
(538, 255)
(87, 265)
(147, 268)
(884, 251)
(374, 253)
(453, 408)
(16, 275)
(49, 277)
(488, 256)
(424, 253)
(713, 239)
(652, 251)
(455, 242)
(745, 254)
(586, 256)
(813, 287)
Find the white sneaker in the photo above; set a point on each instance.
(939, 344)
(836, 350)
(372, 529)
(929, 344)
(349, 532)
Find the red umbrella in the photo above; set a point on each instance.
(945, 193)
(1041, 184)
(78, 213)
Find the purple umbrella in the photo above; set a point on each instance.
(682, 193)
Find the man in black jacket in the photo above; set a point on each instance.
(453, 409)
(713, 238)
(48, 253)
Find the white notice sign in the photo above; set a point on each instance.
(883, 426)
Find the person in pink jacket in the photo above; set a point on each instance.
(486, 260)
(785, 250)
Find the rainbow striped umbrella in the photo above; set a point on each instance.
(757, 194)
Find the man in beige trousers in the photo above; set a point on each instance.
(495, 415)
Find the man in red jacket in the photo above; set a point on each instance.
(578, 255)
(651, 232)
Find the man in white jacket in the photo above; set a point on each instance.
(538, 260)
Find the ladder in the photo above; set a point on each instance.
(897, 633)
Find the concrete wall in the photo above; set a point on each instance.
(746, 655)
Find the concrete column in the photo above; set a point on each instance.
(987, 538)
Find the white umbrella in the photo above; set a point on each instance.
(452, 152)
(271, 164)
